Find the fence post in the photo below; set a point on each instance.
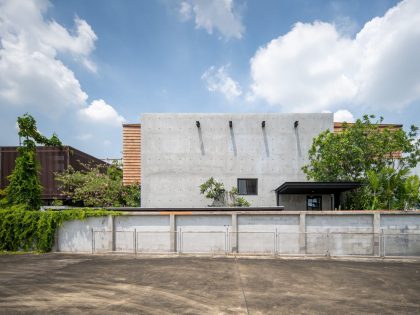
(172, 233)
(275, 243)
(227, 243)
(180, 241)
(234, 234)
(111, 230)
(302, 233)
(382, 240)
(93, 240)
(328, 253)
(135, 241)
(376, 234)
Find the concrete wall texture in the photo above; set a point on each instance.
(177, 156)
(282, 233)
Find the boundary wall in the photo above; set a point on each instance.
(325, 233)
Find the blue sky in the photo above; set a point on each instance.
(82, 68)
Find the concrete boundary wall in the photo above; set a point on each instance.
(330, 233)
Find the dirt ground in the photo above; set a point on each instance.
(94, 284)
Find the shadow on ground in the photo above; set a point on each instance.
(73, 284)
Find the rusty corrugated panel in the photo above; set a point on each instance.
(131, 154)
(52, 160)
(77, 158)
(7, 164)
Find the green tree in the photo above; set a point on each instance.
(98, 186)
(411, 189)
(24, 186)
(380, 158)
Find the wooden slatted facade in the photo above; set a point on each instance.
(131, 154)
(338, 126)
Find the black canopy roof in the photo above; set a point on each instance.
(316, 187)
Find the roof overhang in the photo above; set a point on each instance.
(316, 187)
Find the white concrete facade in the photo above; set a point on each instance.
(177, 156)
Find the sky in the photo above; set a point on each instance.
(83, 68)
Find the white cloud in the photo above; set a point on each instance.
(217, 14)
(343, 115)
(185, 11)
(101, 112)
(314, 66)
(218, 80)
(32, 75)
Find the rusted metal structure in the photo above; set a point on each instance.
(52, 160)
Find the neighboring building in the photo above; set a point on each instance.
(52, 160)
(260, 154)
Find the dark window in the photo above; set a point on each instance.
(313, 203)
(247, 186)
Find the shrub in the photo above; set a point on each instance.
(98, 186)
(216, 191)
(22, 229)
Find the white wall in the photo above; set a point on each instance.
(203, 234)
(293, 232)
(177, 156)
(76, 236)
(152, 232)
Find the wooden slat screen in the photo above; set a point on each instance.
(131, 154)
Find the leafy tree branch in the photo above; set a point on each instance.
(380, 158)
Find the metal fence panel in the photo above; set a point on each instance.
(258, 242)
(401, 244)
(101, 241)
(203, 242)
(348, 244)
(316, 243)
(124, 241)
(255, 242)
(288, 243)
(154, 242)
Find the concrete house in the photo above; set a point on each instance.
(259, 154)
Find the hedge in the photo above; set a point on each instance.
(23, 230)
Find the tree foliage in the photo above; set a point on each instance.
(98, 186)
(380, 158)
(24, 185)
(216, 191)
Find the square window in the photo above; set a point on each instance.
(247, 186)
(313, 203)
